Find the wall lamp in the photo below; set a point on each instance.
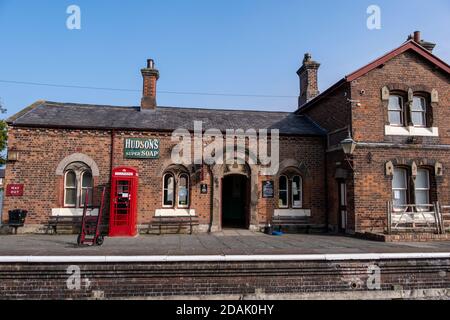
(348, 146)
(13, 155)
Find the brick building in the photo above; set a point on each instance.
(394, 112)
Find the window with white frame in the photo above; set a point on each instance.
(86, 188)
(176, 190)
(297, 192)
(422, 187)
(283, 192)
(400, 188)
(419, 112)
(396, 112)
(70, 189)
(168, 190)
(78, 181)
(402, 193)
(290, 191)
(183, 191)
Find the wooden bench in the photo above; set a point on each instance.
(63, 221)
(281, 222)
(171, 222)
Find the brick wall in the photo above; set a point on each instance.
(407, 70)
(369, 189)
(41, 150)
(133, 280)
(333, 111)
(372, 186)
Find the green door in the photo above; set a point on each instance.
(234, 202)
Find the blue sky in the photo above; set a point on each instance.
(217, 46)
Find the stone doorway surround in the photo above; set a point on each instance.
(222, 170)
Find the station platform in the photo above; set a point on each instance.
(230, 265)
(227, 242)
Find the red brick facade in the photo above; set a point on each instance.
(359, 105)
(42, 150)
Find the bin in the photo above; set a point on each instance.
(17, 216)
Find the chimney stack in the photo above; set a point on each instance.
(151, 76)
(416, 38)
(308, 80)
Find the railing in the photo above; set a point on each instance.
(414, 218)
(444, 213)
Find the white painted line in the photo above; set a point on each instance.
(222, 258)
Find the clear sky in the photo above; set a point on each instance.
(208, 46)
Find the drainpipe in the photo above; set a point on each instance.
(327, 205)
(113, 134)
(211, 202)
(111, 167)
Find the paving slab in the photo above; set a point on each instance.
(228, 242)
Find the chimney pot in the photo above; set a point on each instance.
(417, 36)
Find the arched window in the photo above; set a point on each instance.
(297, 191)
(168, 190)
(70, 189)
(86, 187)
(77, 181)
(396, 111)
(176, 190)
(183, 191)
(419, 112)
(283, 192)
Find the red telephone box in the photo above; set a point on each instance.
(123, 212)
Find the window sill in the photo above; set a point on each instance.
(72, 212)
(174, 212)
(411, 131)
(293, 212)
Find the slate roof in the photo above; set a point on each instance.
(48, 114)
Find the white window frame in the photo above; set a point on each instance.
(66, 205)
(402, 111)
(423, 112)
(300, 190)
(286, 190)
(423, 189)
(90, 189)
(173, 190)
(187, 189)
(405, 189)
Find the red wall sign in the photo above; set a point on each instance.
(14, 190)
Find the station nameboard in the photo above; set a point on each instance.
(141, 148)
